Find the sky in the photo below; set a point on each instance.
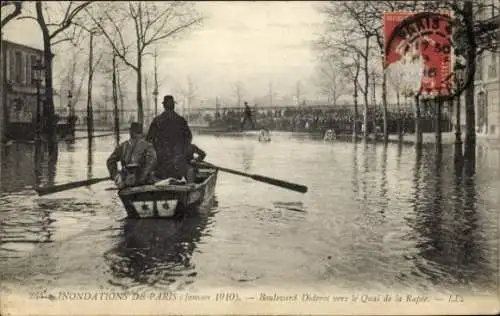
(252, 42)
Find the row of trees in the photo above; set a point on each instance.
(120, 37)
(351, 48)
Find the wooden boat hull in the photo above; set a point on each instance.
(170, 200)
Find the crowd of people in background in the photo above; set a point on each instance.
(341, 119)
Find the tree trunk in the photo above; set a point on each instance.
(470, 114)
(90, 111)
(418, 130)
(120, 94)
(49, 122)
(438, 103)
(115, 102)
(147, 101)
(365, 92)
(355, 119)
(140, 106)
(458, 125)
(356, 77)
(384, 106)
(48, 108)
(398, 118)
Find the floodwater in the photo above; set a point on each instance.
(376, 217)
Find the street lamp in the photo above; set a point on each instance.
(36, 75)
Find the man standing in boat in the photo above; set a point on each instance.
(170, 135)
(247, 116)
(137, 158)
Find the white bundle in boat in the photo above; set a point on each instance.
(170, 181)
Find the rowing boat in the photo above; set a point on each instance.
(167, 200)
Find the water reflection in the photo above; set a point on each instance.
(399, 154)
(158, 252)
(384, 187)
(469, 240)
(355, 168)
(247, 156)
(368, 176)
(90, 156)
(19, 233)
(25, 165)
(448, 239)
(439, 228)
(46, 163)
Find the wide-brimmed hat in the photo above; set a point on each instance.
(168, 98)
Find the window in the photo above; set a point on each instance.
(7, 63)
(33, 63)
(493, 67)
(479, 68)
(27, 70)
(18, 70)
(12, 68)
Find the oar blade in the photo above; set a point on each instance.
(68, 186)
(280, 183)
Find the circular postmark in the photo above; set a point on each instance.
(426, 55)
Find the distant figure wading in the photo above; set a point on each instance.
(247, 116)
(264, 135)
(330, 135)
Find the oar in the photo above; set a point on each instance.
(256, 177)
(68, 186)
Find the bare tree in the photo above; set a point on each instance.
(330, 79)
(17, 6)
(74, 76)
(351, 68)
(106, 69)
(346, 35)
(367, 18)
(91, 70)
(362, 57)
(333, 45)
(150, 22)
(53, 33)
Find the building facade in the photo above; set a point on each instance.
(487, 78)
(19, 90)
(487, 95)
(487, 89)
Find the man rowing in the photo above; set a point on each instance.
(170, 135)
(194, 155)
(137, 158)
